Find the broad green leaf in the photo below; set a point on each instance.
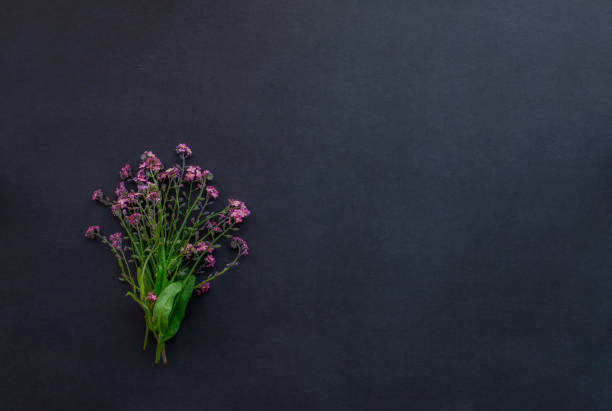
(179, 307)
(161, 280)
(163, 306)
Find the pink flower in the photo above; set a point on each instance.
(239, 211)
(146, 186)
(193, 173)
(97, 194)
(151, 297)
(150, 162)
(116, 240)
(120, 190)
(116, 210)
(188, 249)
(204, 246)
(239, 214)
(204, 289)
(213, 226)
(140, 177)
(239, 243)
(235, 203)
(124, 172)
(206, 174)
(184, 150)
(123, 202)
(212, 191)
(92, 231)
(209, 260)
(133, 197)
(153, 196)
(169, 173)
(133, 219)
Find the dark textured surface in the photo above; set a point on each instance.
(431, 183)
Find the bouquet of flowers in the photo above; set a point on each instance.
(168, 238)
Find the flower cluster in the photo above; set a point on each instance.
(212, 191)
(133, 219)
(240, 244)
(193, 173)
(153, 197)
(213, 226)
(125, 171)
(209, 261)
(150, 162)
(183, 150)
(116, 240)
(238, 210)
(92, 230)
(169, 237)
(203, 289)
(97, 195)
(172, 172)
(151, 297)
(192, 250)
(121, 191)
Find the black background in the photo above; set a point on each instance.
(431, 186)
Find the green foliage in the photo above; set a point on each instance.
(164, 307)
(180, 306)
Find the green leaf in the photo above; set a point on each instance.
(179, 308)
(161, 280)
(163, 306)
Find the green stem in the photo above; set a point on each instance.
(227, 267)
(144, 347)
(160, 351)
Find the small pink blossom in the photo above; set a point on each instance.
(204, 246)
(151, 297)
(123, 202)
(115, 240)
(133, 197)
(92, 231)
(212, 191)
(145, 187)
(193, 173)
(213, 226)
(203, 289)
(150, 162)
(169, 173)
(121, 190)
(235, 203)
(209, 260)
(207, 175)
(188, 249)
(97, 194)
(239, 243)
(124, 172)
(140, 177)
(116, 210)
(153, 196)
(239, 214)
(239, 211)
(133, 219)
(184, 150)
